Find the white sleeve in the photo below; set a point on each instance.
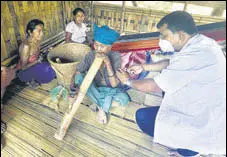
(197, 63)
(170, 80)
(181, 71)
(69, 28)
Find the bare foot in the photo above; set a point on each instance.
(101, 117)
(33, 84)
(93, 107)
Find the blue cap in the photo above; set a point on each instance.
(105, 35)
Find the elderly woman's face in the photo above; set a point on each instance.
(79, 17)
(101, 48)
(37, 32)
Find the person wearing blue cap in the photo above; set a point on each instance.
(104, 92)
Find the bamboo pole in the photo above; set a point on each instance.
(122, 17)
(92, 16)
(62, 12)
(185, 6)
(7, 61)
(67, 119)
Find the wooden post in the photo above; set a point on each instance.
(185, 5)
(134, 3)
(217, 11)
(63, 13)
(122, 17)
(68, 117)
(92, 16)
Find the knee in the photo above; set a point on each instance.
(48, 69)
(140, 115)
(125, 99)
(122, 98)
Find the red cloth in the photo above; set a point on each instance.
(30, 60)
(133, 58)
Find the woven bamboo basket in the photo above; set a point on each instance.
(70, 54)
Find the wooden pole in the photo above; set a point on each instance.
(63, 13)
(185, 5)
(122, 17)
(67, 119)
(92, 16)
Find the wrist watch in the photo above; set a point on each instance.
(128, 83)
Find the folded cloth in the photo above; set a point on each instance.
(59, 90)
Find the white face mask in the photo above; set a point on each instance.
(165, 46)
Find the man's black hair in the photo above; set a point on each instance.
(179, 21)
(75, 11)
(32, 24)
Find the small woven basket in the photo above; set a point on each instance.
(73, 53)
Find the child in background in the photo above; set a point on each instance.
(76, 31)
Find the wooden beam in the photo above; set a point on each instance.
(134, 3)
(185, 5)
(63, 13)
(213, 4)
(122, 17)
(7, 61)
(217, 12)
(92, 16)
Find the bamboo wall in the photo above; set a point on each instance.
(69, 6)
(138, 19)
(16, 14)
(56, 14)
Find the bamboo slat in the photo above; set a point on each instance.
(143, 16)
(18, 147)
(56, 14)
(3, 48)
(15, 16)
(25, 133)
(40, 96)
(112, 139)
(32, 121)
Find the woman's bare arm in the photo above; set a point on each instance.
(68, 37)
(24, 56)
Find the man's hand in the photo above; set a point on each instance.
(123, 76)
(135, 69)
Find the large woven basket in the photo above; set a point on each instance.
(73, 52)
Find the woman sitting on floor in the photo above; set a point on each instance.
(31, 68)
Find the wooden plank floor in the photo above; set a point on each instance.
(32, 121)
